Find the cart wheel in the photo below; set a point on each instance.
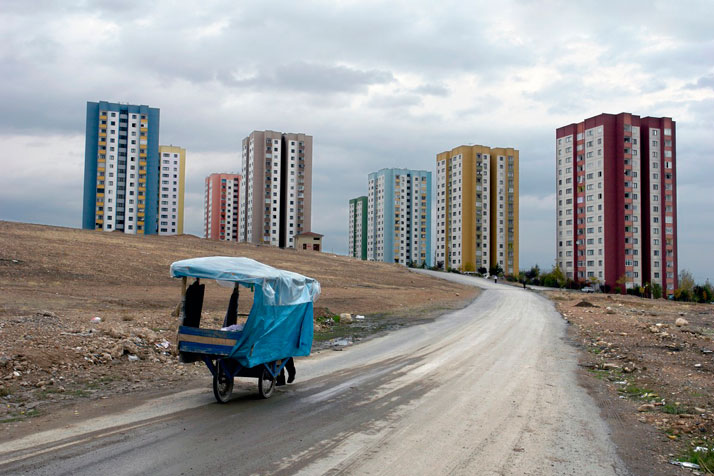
(222, 384)
(266, 384)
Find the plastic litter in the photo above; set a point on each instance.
(359, 317)
(95, 319)
(133, 358)
(233, 328)
(342, 342)
(701, 449)
(685, 464)
(163, 344)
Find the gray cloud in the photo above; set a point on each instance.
(705, 82)
(377, 85)
(313, 78)
(432, 90)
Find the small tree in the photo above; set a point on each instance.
(533, 273)
(559, 276)
(656, 291)
(701, 294)
(496, 270)
(621, 284)
(482, 270)
(686, 282)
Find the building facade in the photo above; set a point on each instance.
(277, 192)
(505, 217)
(477, 208)
(171, 189)
(617, 201)
(357, 230)
(222, 207)
(399, 216)
(121, 168)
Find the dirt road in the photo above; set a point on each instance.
(490, 389)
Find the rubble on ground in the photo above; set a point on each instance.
(646, 351)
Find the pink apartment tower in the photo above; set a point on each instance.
(221, 207)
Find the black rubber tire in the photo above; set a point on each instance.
(266, 384)
(222, 384)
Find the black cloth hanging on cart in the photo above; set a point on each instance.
(232, 312)
(193, 304)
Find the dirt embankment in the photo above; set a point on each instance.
(655, 362)
(55, 281)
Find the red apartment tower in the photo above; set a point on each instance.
(221, 207)
(616, 191)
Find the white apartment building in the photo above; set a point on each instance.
(171, 189)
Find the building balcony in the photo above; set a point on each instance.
(142, 189)
(102, 134)
(143, 129)
(100, 195)
(102, 117)
(140, 223)
(142, 163)
(142, 180)
(99, 221)
(100, 212)
(102, 143)
(142, 154)
(140, 214)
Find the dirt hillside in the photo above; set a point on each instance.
(654, 360)
(55, 281)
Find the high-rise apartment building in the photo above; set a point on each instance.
(171, 188)
(399, 216)
(357, 242)
(121, 168)
(222, 207)
(617, 201)
(477, 206)
(276, 197)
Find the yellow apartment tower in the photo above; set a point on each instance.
(477, 209)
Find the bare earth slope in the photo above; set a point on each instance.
(53, 281)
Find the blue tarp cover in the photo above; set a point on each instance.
(280, 321)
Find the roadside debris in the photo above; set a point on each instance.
(341, 342)
(685, 464)
(95, 320)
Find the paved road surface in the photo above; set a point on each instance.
(488, 390)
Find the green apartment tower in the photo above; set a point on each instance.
(358, 228)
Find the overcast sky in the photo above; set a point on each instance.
(376, 84)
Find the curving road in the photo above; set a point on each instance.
(487, 390)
